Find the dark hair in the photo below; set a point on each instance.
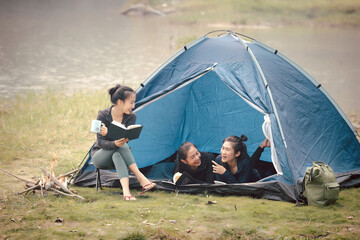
(181, 155)
(183, 150)
(119, 92)
(238, 144)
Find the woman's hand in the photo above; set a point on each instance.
(103, 130)
(217, 168)
(265, 143)
(121, 142)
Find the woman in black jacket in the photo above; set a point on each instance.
(234, 164)
(195, 166)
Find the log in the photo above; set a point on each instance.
(29, 189)
(65, 194)
(57, 182)
(69, 173)
(142, 9)
(27, 181)
(49, 185)
(27, 185)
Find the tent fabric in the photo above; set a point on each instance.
(225, 86)
(324, 133)
(273, 189)
(196, 111)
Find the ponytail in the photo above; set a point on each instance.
(119, 92)
(238, 143)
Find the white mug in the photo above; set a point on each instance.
(95, 126)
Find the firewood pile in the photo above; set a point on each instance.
(48, 183)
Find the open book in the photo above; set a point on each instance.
(117, 130)
(184, 178)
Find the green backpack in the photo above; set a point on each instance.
(319, 185)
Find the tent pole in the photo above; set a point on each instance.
(87, 154)
(229, 32)
(179, 52)
(297, 193)
(316, 83)
(188, 81)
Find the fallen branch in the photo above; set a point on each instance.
(69, 173)
(49, 185)
(65, 194)
(57, 182)
(28, 189)
(27, 181)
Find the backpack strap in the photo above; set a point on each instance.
(311, 174)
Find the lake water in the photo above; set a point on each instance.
(87, 44)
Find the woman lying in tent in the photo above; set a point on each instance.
(192, 166)
(234, 164)
(107, 153)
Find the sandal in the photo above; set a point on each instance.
(129, 198)
(144, 189)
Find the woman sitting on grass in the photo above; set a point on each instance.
(107, 153)
(194, 165)
(234, 163)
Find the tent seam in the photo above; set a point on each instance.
(316, 83)
(273, 104)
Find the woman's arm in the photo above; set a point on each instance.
(208, 158)
(226, 176)
(246, 172)
(210, 176)
(104, 142)
(176, 165)
(256, 155)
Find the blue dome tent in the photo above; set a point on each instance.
(232, 84)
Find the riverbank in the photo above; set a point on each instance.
(259, 14)
(38, 128)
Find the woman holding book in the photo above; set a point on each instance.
(195, 166)
(116, 153)
(234, 164)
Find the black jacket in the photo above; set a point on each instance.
(105, 117)
(242, 175)
(203, 174)
(263, 168)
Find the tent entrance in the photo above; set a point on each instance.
(204, 112)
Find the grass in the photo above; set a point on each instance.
(338, 13)
(36, 126)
